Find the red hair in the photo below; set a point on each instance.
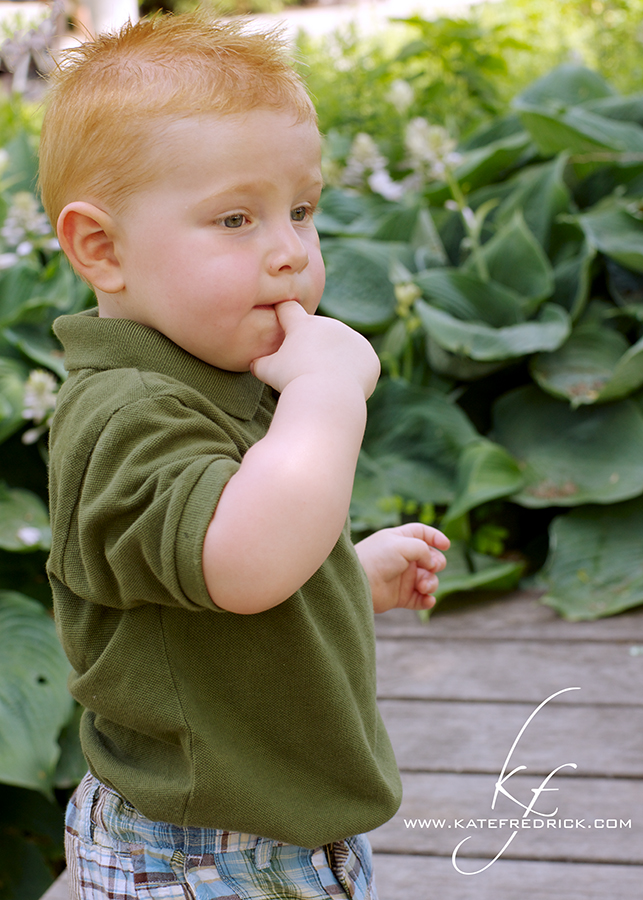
(109, 99)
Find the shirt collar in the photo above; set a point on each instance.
(92, 342)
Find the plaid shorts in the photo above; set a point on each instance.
(114, 853)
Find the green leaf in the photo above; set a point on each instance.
(383, 483)
(625, 286)
(34, 701)
(485, 472)
(22, 172)
(491, 132)
(32, 829)
(572, 281)
(17, 286)
(484, 165)
(470, 571)
(484, 343)
(594, 366)
(414, 437)
(416, 423)
(566, 85)
(464, 295)
(342, 206)
(515, 259)
(358, 289)
(38, 345)
(25, 874)
(428, 249)
(613, 230)
(72, 765)
(579, 131)
(541, 194)
(571, 456)
(488, 163)
(459, 367)
(24, 521)
(13, 375)
(595, 565)
(624, 109)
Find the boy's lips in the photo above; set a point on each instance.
(272, 305)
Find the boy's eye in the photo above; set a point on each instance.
(299, 214)
(236, 220)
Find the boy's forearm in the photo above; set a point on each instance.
(281, 514)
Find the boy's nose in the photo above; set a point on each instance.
(289, 253)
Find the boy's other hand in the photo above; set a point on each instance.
(401, 565)
(316, 345)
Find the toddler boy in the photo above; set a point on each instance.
(216, 615)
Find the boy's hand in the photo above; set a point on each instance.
(315, 345)
(401, 565)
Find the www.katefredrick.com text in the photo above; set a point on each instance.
(526, 823)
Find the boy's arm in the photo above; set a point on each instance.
(282, 512)
(401, 565)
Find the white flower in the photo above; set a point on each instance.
(7, 260)
(26, 226)
(380, 182)
(470, 218)
(29, 535)
(363, 158)
(22, 46)
(366, 165)
(40, 396)
(431, 150)
(401, 95)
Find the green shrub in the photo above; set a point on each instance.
(39, 751)
(459, 72)
(501, 281)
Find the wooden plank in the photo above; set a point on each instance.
(438, 736)
(59, 889)
(512, 616)
(597, 820)
(434, 878)
(528, 671)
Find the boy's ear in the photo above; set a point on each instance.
(86, 235)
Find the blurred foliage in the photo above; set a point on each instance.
(39, 751)
(501, 282)
(483, 226)
(219, 7)
(462, 71)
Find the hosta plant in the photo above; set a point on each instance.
(501, 281)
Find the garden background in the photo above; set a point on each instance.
(482, 224)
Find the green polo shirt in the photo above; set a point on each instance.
(262, 723)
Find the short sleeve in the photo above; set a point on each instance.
(131, 526)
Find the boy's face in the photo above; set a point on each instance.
(223, 233)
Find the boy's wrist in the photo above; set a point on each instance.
(346, 389)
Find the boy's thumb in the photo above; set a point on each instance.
(289, 312)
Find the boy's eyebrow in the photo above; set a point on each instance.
(234, 189)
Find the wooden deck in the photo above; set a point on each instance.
(455, 694)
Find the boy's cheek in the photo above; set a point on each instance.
(320, 284)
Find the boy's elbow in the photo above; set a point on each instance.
(240, 603)
(231, 585)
